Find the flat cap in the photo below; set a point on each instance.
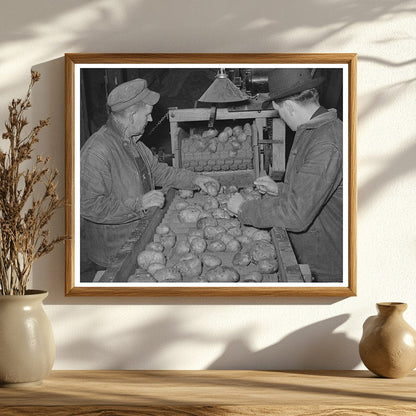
(129, 93)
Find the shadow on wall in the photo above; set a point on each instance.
(102, 25)
(313, 347)
(134, 17)
(142, 347)
(396, 167)
(152, 345)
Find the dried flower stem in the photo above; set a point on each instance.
(23, 217)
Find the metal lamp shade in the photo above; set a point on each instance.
(222, 90)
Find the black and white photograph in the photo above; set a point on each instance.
(211, 176)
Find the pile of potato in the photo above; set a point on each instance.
(209, 245)
(232, 149)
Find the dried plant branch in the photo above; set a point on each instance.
(24, 216)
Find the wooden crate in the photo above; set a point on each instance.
(258, 120)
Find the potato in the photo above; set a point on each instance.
(247, 129)
(210, 232)
(204, 222)
(254, 277)
(195, 234)
(205, 214)
(233, 246)
(168, 241)
(200, 143)
(210, 203)
(190, 214)
(198, 245)
(261, 250)
(153, 268)
(224, 237)
(167, 274)
(229, 131)
(232, 189)
(182, 247)
(268, 266)
(243, 239)
(223, 137)
(228, 223)
(222, 274)
(213, 144)
(148, 257)
(237, 130)
(181, 205)
(220, 213)
(216, 246)
(154, 247)
(235, 231)
(242, 258)
(196, 279)
(208, 134)
(261, 235)
(194, 137)
(235, 145)
(241, 138)
(162, 229)
(189, 266)
(210, 261)
(186, 193)
(212, 188)
(142, 277)
(249, 231)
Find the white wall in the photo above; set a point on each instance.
(200, 333)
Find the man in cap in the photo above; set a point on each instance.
(309, 201)
(119, 175)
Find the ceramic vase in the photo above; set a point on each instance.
(388, 345)
(27, 347)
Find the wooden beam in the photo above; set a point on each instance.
(289, 268)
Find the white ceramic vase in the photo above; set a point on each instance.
(27, 346)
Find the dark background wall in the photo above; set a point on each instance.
(178, 87)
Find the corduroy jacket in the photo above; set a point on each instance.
(310, 200)
(115, 173)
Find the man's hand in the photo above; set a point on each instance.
(234, 203)
(153, 199)
(202, 181)
(266, 185)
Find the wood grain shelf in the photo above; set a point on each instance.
(212, 392)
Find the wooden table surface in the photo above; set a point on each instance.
(254, 393)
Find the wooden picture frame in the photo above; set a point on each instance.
(345, 64)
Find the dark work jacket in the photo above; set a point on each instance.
(309, 203)
(115, 173)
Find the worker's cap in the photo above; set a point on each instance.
(129, 93)
(285, 82)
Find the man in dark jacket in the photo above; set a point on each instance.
(119, 175)
(309, 203)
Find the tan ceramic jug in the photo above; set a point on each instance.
(388, 345)
(27, 347)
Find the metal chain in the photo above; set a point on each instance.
(158, 124)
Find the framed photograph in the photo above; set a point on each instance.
(211, 174)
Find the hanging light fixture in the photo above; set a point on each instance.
(221, 91)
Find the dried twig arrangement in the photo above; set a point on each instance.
(28, 200)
